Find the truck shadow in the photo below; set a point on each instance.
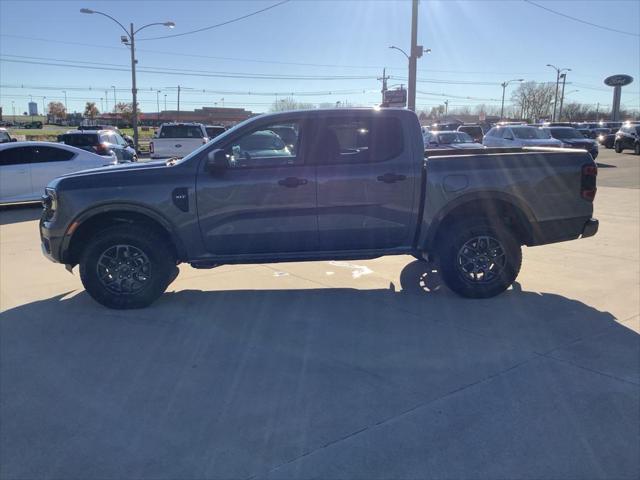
(201, 378)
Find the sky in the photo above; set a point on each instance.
(319, 51)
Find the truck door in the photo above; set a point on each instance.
(265, 202)
(367, 177)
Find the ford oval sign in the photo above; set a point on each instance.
(618, 80)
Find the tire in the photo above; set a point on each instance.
(127, 266)
(636, 149)
(617, 147)
(468, 279)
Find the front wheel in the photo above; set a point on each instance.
(127, 266)
(636, 149)
(617, 147)
(479, 259)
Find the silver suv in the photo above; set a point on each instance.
(519, 136)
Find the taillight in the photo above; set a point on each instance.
(103, 149)
(588, 183)
(150, 147)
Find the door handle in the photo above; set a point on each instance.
(391, 178)
(292, 182)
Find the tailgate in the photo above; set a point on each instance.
(174, 147)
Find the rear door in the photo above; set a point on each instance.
(15, 174)
(367, 176)
(265, 202)
(48, 163)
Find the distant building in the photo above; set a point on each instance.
(33, 108)
(206, 115)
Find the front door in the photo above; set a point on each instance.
(265, 201)
(367, 179)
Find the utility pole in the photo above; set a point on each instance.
(178, 102)
(384, 79)
(115, 102)
(597, 110)
(446, 107)
(134, 90)
(564, 80)
(158, 106)
(413, 58)
(65, 100)
(555, 101)
(165, 102)
(44, 111)
(106, 100)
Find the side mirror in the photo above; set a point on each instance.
(217, 161)
(14, 139)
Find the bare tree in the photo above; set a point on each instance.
(90, 110)
(533, 99)
(289, 103)
(57, 111)
(125, 111)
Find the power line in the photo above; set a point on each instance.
(580, 20)
(218, 24)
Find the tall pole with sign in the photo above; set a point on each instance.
(617, 82)
(413, 58)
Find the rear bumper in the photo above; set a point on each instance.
(563, 230)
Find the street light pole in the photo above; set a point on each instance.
(129, 40)
(413, 59)
(564, 80)
(158, 106)
(555, 101)
(504, 87)
(65, 100)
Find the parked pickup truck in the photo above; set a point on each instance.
(353, 184)
(176, 140)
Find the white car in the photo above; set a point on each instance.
(27, 167)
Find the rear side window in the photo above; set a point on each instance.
(358, 140)
(4, 137)
(51, 154)
(12, 156)
(213, 132)
(181, 131)
(76, 140)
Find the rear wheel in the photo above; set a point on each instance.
(127, 266)
(479, 259)
(636, 148)
(617, 147)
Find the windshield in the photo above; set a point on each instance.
(454, 137)
(530, 133)
(79, 139)
(180, 131)
(565, 133)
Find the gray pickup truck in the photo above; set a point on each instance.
(316, 185)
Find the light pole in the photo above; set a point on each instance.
(65, 100)
(130, 40)
(158, 106)
(564, 80)
(44, 111)
(504, 87)
(165, 102)
(555, 101)
(418, 50)
(13, 109)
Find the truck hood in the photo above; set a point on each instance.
(119, 168)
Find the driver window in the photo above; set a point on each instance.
(274, 145)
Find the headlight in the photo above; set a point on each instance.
(49, 203)
(600, 138)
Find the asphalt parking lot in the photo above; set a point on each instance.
(364, 369)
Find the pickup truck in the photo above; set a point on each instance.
(176, 140)
(354, 184)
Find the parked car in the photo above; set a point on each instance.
(5, 137)
(177, 140)
(628, 138)
(607, 140)
(519, 136)
(214, 130)
(106, 143)
(27, 167)
(34, 124)
(450, 139)
(358, 186)
(572, 138)
(475, 131)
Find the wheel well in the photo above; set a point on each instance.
(498, 212)
(102, 221)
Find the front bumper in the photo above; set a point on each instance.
(50, 243)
